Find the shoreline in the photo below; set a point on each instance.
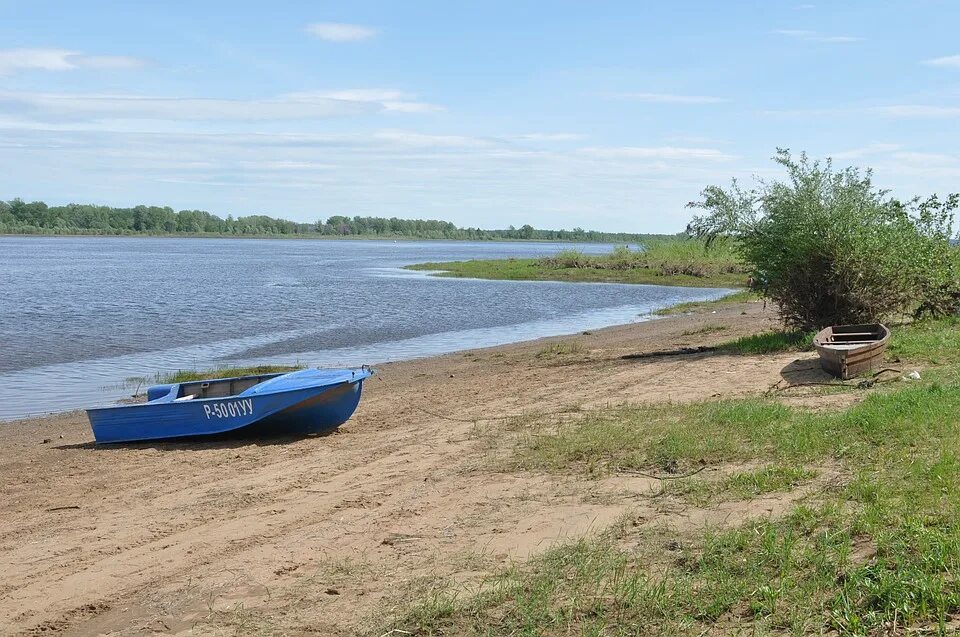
(425, 359)
(76, 395)
(685, 312)
(174, 514)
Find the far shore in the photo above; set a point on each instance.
(315, 237)
(303, 237)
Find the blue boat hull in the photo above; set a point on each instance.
(319, 414)
(282, 407)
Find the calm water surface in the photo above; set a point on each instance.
(78, 316)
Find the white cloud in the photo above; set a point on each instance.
(119, 62)
(931, 160)
(813, 36)
(491, 181)
(354, 94)
(895, 163)
(917, 110)
(670, 98)
(309, 105)
(548, 137)
(410, 107)
(388, 99)
(893, 110)
(13, 60)
(655, 152)
(865, 151)
(951, 61)
(421, 140)
(341, 32)
(837, 38)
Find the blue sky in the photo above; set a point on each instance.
(606, 115)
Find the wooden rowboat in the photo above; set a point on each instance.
(849, 350)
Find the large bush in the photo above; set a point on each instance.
(830, 248)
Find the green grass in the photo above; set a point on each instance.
(874, 552)
(745, 485)
(682, 262)
(560, 348)
(797, 574)
(705, 330)
(932, 342)
(770, 343)
(187, 375)
(769, 479)
(690, 307)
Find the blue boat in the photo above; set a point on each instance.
(303, 402)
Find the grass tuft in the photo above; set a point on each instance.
(705, 330)
(188, 375)
(770, 343)
(561, 348)
(692, 307)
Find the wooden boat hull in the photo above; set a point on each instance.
(312, 401)
(846, 351)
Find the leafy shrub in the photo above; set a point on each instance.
(829, 248)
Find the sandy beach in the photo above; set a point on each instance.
(325, 535)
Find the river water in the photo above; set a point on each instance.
(79, 315)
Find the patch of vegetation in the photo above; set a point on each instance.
(679, 256)
(933, 342)
(744, 485)
(678, 261)
(693, 307)
(770, 343)
(560, 348)
(769, 479)
(188, 375)
(706, 329)
(829, 248)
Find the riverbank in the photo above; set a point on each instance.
(534, 270)
(483, 470)
(676, 261)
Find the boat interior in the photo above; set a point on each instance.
(222, 388)
(855, 334)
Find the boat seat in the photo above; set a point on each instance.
(190, 397)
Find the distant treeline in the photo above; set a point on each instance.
(20, 217)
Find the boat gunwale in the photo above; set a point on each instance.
(175, 387)
(819, 342)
